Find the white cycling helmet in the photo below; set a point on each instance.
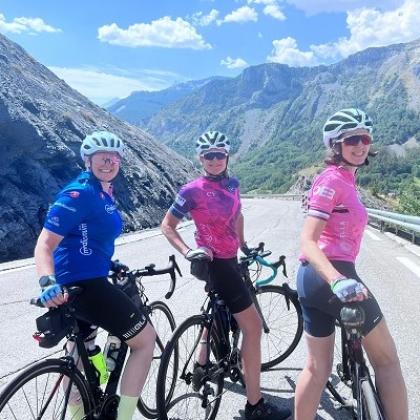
(212, 140)
(343, 121)
(101, 141)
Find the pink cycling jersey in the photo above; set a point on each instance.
(334, 198)
(214, 206)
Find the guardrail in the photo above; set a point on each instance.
(400, 222)
(278, 196)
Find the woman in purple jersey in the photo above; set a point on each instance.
(214, 204)
(330, 242)
(75, 248)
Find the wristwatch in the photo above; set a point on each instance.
(45, 281)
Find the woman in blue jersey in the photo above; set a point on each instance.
(75, 248)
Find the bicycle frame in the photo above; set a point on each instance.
(354, 368)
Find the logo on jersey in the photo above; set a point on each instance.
(325, 192)
(84, 250)
(180, 200)
(65, 206)
(110, 208)
(54, 221)
(74, 194)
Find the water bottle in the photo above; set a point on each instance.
(112, 348)
(97, 359)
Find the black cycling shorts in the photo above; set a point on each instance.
(228, 283)
(103, 304)
(314, 294)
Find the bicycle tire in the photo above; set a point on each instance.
(286, 327)
(186, 338)
(147, 401)
(50, 402)
(370, 407)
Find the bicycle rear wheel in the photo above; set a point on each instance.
(285, 324)
(369, 406)
(164, 323)
(44, 391)
(186, 403)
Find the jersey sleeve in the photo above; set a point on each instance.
(324, 197)
(183, 203)
(69, 210)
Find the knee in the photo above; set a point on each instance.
(319, 371)
(253, 328)
(385, 358)
(144, 340)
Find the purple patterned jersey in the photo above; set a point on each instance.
(214, 206)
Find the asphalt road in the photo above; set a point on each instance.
(391, 271)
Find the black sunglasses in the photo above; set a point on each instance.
(354, 140)
(215, 155)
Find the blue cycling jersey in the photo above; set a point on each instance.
(88, 219)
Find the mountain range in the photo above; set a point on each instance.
(274, 113)
(42, 124)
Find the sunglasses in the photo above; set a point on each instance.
(215, 155)
(354, 140)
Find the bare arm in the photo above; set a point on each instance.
(240, 229)
(168, 228)
(311, 232)
(44, 249)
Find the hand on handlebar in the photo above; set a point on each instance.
(245, 249)
(199, 254)
(53, 296)
(349, 290)
(118, 267)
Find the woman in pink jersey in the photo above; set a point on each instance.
(214, 204)
(330, 242)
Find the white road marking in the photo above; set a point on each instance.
(372, 235)
(12, 270)
(410, 265)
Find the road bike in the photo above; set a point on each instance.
(44, 390)
(199, 390)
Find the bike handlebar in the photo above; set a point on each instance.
(258, 254)
(149, 271)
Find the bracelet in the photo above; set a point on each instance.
(337, 280)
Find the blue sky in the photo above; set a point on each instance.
(107, 49)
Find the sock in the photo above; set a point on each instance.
(126, 407)
(254, 405)
(76, 411)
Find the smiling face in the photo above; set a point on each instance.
(104, 165)
(214, 162)
(355, 151)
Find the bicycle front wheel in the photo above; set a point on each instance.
(164, 324)
(190, 401)
(45, 391)
(369, 406)
(284, 324)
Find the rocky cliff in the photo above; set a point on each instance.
(42, 123)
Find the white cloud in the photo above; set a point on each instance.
(322, 6)
(25, 24)
(233, 63)
(286, 52)
(271, 8)
(373, 28)
(200, 19)
(368, 27)
(241, 15)
(163, 32)
(274, 11)
(101, 87)
(260, 35)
